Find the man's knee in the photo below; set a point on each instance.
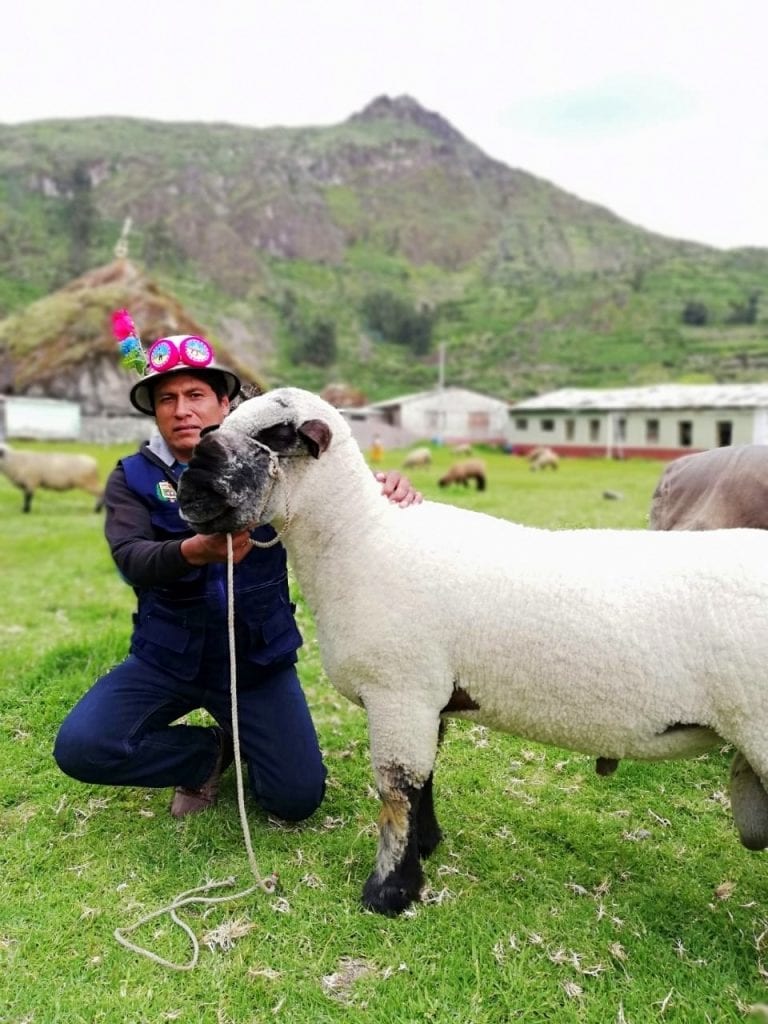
(295, 803)
(68, 752)
(77, 754)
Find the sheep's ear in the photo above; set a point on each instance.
(316, 435)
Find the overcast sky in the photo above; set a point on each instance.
(653, 108)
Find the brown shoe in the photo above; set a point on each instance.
(192, 801)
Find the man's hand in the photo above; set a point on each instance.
(398, 488)
(204, 548)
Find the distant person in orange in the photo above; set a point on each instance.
(377, 450)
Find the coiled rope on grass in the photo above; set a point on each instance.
(197, 895)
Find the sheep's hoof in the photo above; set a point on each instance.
(390, 898)
(606, 765)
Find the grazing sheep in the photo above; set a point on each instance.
(463, 472)
(724, 487)
(52, 471)
(465, 448)
(614, 643)
(543, 458)
(417, 457)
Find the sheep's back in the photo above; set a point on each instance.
(55, 470)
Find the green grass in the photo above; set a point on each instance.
(556, 895)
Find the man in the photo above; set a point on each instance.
(121, 732)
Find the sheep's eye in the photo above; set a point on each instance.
(278, 438)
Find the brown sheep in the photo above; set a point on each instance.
(463, 472)
(719, 489)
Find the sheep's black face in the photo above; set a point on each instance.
(223, 489)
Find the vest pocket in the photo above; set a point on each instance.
(169, 646)
(274, 638)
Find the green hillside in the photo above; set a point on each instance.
(348, 253)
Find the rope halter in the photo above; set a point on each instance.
(275, 472)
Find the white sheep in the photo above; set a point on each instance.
(417, 457)
(53, 471)
(543, 458)
(464, 448)
(614, 643)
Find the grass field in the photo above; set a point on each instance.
(556, 895)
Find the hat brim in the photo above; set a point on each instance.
(141, 392)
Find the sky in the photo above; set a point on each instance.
(655, 109)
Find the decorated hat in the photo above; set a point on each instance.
(179, 353)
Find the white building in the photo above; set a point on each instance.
(662, 421)
(39, 419)
(448, 415)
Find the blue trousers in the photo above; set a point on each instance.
(121, 732)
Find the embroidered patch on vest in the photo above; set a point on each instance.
(166, 491)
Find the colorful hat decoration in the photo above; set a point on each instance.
(124, 329)
(179, 353)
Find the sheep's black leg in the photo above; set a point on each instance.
(606, 765)
(749, 804)
(428, 830)
(27, 501)
(397, 877)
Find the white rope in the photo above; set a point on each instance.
(275, 472)
(191, 895)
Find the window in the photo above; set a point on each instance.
(652, 431)
(479, 422)
(570, 429)
(685, 433)
(724, 430)
(594, 430)
(548, 425)
(621, 428)
(521, 423)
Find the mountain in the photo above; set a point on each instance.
(347, 253)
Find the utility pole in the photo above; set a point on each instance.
(440, 391)
(121, 246)
(441, 365)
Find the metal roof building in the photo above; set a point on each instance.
(658, 421)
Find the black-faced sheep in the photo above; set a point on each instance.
(543, 458)
(463, 472)
(53, 471)
(615, 643)
(417, 457)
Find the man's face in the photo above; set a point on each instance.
(184, 404)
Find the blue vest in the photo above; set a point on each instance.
(176, 624)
